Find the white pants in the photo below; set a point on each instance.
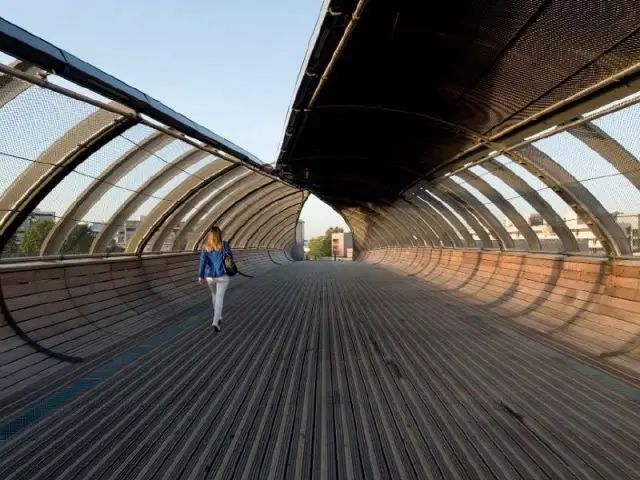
(217, 286)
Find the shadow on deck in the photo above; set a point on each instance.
(327, 370)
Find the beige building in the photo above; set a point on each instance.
(342, 244)
(587, 240)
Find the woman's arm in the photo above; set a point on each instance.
(203, 264)
(227, 248)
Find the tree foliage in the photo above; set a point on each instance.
(79, 240)
(321, 246)
(34, 236)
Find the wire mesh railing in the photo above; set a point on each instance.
(74, 168)
(584, 171)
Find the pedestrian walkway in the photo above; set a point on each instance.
(331, 370)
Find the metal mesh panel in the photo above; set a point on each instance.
(598, 175)
(34, 120)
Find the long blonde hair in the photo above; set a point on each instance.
(214, 240)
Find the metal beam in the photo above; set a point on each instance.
(98, 188)
(238, 220)
(54, 164)
(280, 242)
(460, 208)
(533, 242)
(205, 203)
(264, 224)
(481, 212)
(449, 237)
(136, 200)
(228, 204)
(198, 195)
(247, 229)
(368, 229)
(10, 86)
(272, 242)
(384, 232)
(586, 206)
(268, 213)
(277, 221)
(608, 148)
(439, 209)
(533, 198)
(159, 223)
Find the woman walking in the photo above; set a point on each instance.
(212, 269)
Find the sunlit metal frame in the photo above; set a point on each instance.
(158, 222)
(238, 196)
(495, 197)
(248, 227)
(137, 199)
(85, 201)
(236, 218)
(481, 212)
(206, 204)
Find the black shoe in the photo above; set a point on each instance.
(216, 328)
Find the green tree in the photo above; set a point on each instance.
(34, 236)
(321, 246)
(316, 248)
(79, 240)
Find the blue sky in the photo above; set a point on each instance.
(229, 65)
(232, 66)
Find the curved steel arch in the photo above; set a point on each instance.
(610, 149)
(280, 242)
(137, 199)
(236, 218)
(228, 204)
(385, 232)
(359, 236)
(369, 229)
(205, 204)
(447, 227)
(259, 229)
(230, 217)
(481, 211)
(460, 208)
(463, 232)
(586, 206)
(248, 229)
(434, 235)
(271, 242)
(159, 223)
(198, 195)
(534, 199)
(278, 238)
(387, 218)
(10, 86)
(278, 220)
(268, 214)
(533, 242)
(247, 220)
(393, 214)
(99, 187)
(54, 164)
(449, 237)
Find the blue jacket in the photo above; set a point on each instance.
(211, 263)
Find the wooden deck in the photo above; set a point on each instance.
(330, 370)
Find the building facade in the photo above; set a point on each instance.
(342, 244)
